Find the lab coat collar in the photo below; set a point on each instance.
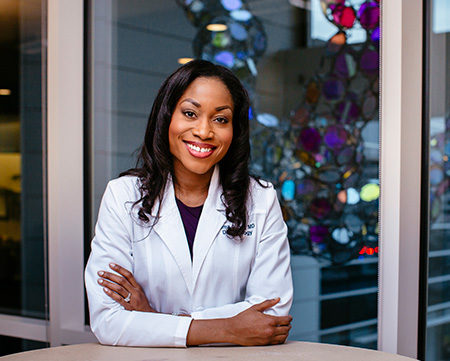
(210, 223)
(171, 230)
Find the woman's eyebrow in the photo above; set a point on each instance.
(198, 105)
(224, 107)
(190, 100)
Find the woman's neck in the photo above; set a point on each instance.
(192, 189)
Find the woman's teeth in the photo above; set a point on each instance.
(198, 149)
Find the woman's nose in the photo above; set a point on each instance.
(203, 129)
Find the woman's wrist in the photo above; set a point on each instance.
(209, 331)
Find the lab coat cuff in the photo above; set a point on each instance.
(182, 330)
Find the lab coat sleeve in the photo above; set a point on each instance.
(270, 275)
(110, 322)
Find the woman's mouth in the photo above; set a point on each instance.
(200, 150)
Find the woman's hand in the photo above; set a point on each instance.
(251, 327)
(124, 289)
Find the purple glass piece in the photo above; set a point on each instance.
(310, 139)
(345, 65)
(369, 15)
(335, 137)
(375, 36)
(320, 207)
(347, 111)
(333, 89)
(318, 233)
(369, 62)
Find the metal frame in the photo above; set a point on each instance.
(65, 172)
(400, 176)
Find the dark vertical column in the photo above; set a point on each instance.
(32, 226)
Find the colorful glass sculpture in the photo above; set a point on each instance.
(329, 195)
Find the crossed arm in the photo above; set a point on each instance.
(251, 327)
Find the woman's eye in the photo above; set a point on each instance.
(221, 120)
(189, 114)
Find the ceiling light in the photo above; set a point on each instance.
(184, 60)
(216, 27)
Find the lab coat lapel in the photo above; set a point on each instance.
(171, 230)
(211, 221)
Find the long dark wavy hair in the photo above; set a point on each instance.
(154, 163)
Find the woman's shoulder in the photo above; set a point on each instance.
(260, 185)
(125, 187)
(261, 191)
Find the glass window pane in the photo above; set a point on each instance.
(438, 312)
(9, 345)
(22, 257)
(311, 68)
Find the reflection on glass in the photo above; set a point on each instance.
(21, 202)
(10, 345)
(438, 315)
(314, 120)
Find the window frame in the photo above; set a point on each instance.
(400, 162)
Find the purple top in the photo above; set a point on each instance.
(190, 217)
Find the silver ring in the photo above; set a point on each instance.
(127, 299)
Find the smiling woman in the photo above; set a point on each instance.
(200, 132)
(197, 247)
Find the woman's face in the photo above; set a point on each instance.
(201, 129)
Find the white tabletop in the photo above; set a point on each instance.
(297, 351)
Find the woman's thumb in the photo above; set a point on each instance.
(266, 304)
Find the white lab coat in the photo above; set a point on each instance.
(226, 276)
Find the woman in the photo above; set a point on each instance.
(197, 248)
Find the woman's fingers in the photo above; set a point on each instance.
(124, 289)
(282, 330)
(117, 288)
(283, 320)
(116, 279)
(278, 340)
(125, 273)
(253, 327)
(117, 297)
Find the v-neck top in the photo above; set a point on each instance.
(190, 217)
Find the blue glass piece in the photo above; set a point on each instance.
(268, 120)
(231, 5)
(352, 196)
(241, 15)
(288, 190)
(225, 58)
(241, 55)
(341, 235)
(238, 32)
(250, 113)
